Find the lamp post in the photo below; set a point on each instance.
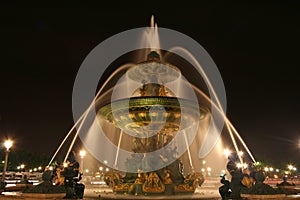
(7, 144)
(82, 154)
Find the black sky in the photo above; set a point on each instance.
(254, 45)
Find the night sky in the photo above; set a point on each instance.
(254, 45)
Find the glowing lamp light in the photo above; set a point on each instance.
(266, 169)
(8, 144)
(82, 153)
(271, 169)
(240, 153)
(66, 164)
(286, 172)
(227, 152)
(239, 165)
(257, 163)
(101, 168)
(290, 167)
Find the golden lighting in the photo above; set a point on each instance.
(8, 144)
(82, 153)
(177, 115)
(66, 164)
(142, 114)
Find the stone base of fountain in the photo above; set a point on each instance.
(43, 196)
(154, 197)
(44, 190)
(264, 196)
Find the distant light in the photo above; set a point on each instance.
(100, 168)
(86, 171)
(294, 168)
(239, 165)
(107, 169)
(227, 152)
(39, 168)
(30, 170)
(266, 169)
(203, 170)
(3, 161)
(275, 176)
(82, 153)
(277, 170)
(22, 166)
(271, 169)
(290, 167)
(35, 169)
(105, 161)
(51, 168)
(240, 153)
(203, 162)
(208, 169)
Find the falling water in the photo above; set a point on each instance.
(229, 126)
(82, 118)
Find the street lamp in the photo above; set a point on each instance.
(7, 144)
(22, 166)
(82, 154)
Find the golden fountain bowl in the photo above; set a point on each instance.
(140, 115)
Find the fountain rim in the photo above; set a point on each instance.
(106, 108)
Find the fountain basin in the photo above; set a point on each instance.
(141, 114)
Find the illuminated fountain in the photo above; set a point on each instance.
(148, 121)
(159, 132)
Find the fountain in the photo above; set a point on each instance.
(163, 128)
(152, 118)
